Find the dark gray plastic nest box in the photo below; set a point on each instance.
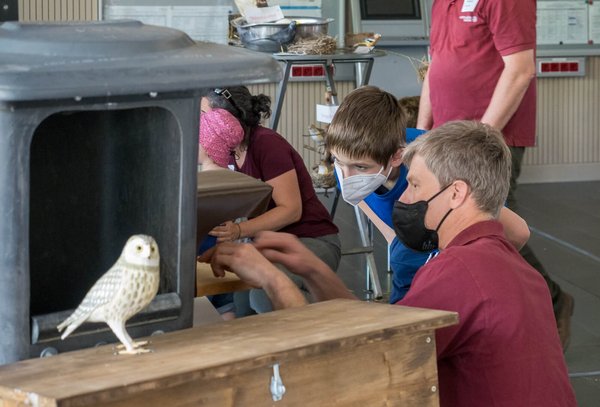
(98, 141)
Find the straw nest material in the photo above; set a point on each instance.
(421, 69)
(321, 45)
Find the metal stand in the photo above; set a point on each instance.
(365, 228)
(363, 63)
(373, 289)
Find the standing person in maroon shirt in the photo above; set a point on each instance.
(483, 68)
(294, 208)
(505, 351)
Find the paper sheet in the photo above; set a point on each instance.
(594, 22)
(325, 113)
(562, 22)
(257, 15)
(201, 23)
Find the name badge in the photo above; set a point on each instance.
(469, 6)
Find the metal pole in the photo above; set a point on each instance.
(372, 276)
(281, 88)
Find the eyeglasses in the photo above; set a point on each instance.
(227, 95)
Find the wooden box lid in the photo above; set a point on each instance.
(226, 195)
(92, 376)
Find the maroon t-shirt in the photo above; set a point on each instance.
(466, 51)
(268, 156)
(505, 351)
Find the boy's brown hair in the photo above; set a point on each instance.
(370, 123)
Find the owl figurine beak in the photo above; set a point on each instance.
(146, 252)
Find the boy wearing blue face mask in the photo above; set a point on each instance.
(366, 138)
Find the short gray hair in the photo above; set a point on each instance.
(471, 152)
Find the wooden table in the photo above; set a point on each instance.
(335, 353)
(208, 284)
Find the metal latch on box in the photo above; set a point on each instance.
(277, 387)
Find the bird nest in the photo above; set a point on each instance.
(321, 45)
(419, 65)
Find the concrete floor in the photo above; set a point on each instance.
(565, 222)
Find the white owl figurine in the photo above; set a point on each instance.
(123, 291)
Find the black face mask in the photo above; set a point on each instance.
(409, 224)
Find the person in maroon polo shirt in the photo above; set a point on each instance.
(266, 155)
(483, 68)
(505, 351)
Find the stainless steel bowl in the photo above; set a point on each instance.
(306, 27)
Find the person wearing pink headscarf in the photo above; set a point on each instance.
(220, 134)
(266, 155)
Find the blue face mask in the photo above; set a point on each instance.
(409, 224)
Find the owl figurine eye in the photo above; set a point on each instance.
(138, 248)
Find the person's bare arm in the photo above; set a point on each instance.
(387, 232)
(519, 70)
(515, 228)
(253, 268)
(425, 117)
(286, 249)
(288, 209)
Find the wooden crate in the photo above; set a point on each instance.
(335, 353)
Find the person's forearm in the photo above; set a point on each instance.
(514, 81)
(516, 229)
(283, 293)
(387, 232)
(288, 250)
(323, 284)
(425, 117)
(274, 219)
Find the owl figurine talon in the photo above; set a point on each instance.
(134, 351)
(123, 291)
(135, 344)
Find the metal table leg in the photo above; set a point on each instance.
(366, 238)
(329, 81)
(334, 205)
(281, 88)
(362, 78)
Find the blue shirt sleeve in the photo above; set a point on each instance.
(404, 263)
(207, 243)
(412, 134)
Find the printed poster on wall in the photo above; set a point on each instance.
(594, 22)
(562, 22)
